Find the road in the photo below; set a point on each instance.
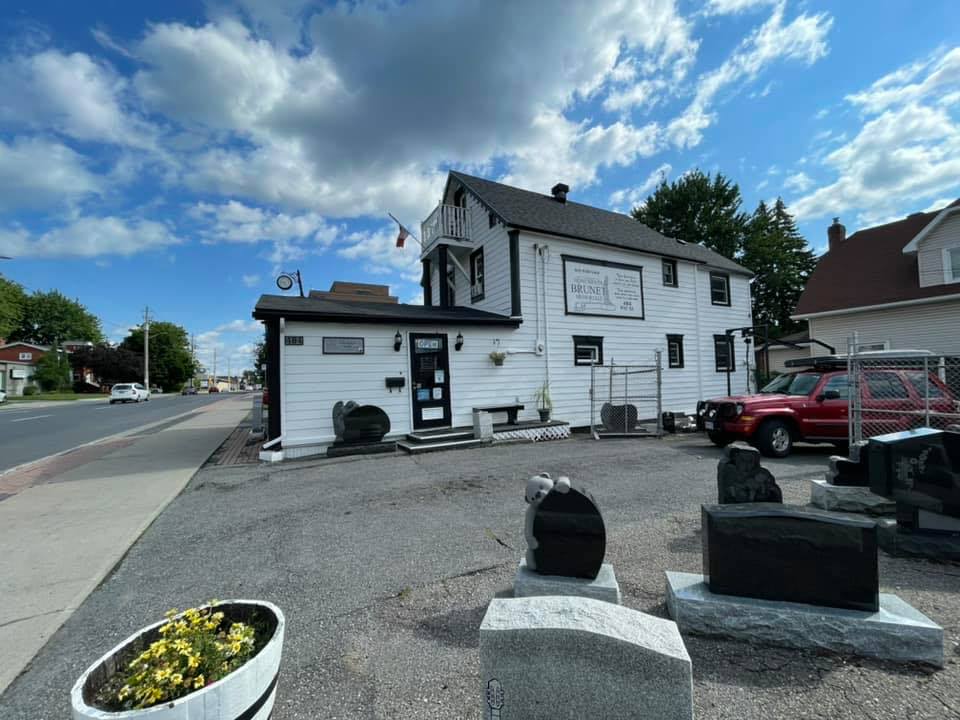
(29, 432)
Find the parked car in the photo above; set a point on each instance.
(811, 405)
(128, 392)
(213, 389)
(189, 390)
(3, 396)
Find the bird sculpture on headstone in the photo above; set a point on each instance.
(538, 487)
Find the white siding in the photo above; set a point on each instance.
(931, 326)
(779, 356)
(930, 252)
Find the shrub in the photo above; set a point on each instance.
(30, 390)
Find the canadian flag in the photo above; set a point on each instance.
(402, 236)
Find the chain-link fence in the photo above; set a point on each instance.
(626, 400)
(893, 391)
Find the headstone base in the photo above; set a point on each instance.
(934, 546)
(528, 583)
(849, 498)
(554, 658)
(896, 632)
(342, 449)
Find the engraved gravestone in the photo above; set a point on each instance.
(741, 479)
(357, 424)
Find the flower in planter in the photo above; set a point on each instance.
(498, 357)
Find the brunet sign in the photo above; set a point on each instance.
(592, 287)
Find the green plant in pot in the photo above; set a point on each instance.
(544, 402)
(498, 357)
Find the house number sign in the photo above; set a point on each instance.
(293, 339)
(342, 346)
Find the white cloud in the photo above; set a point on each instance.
(89, 237)
(732, 7)
(251, 280)
(798, 182)
(938, 204)
(380, 255)
(907, 151)
(631, 197)
(40, 173)
(803, 39)
(236, 222)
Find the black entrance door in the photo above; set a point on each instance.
(430, 369)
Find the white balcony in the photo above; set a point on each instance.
(446, 224)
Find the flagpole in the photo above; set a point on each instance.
(402, 227)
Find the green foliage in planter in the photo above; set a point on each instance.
(542, 396)
(498, 357)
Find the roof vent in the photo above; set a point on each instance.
(559, 192)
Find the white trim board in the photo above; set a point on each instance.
(914, 244)
(882, 306)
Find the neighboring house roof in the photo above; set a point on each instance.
(317, 309)
(532, 211)
(44, 348)
(870, 268)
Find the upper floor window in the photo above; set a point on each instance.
(587, 350)
(951, 265)
(476, 275)
(719, 288)
(670, 273)
(491, 219)
(26, 356)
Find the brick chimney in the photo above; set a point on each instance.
(836, 234)
(559, 192)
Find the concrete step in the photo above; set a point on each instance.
(416, 448)
(433, 436)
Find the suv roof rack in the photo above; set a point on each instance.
(834, 361)
(819, 361)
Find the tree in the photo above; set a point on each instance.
(12, 301)
(171, 363)
(782, 260)
(110, 365)
(50, 317)
(260, 359)
(697, 208)
(53, 370)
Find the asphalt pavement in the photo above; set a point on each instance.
(30, 431)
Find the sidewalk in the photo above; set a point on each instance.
(74, 518)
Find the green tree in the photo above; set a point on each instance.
(260, 359)
(697, 208)
(12, 301)
(782, 261)
(171, 363)
(50, 317)
(53, 370)
(110, 365)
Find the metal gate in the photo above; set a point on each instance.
(892, 391)
(626, 400)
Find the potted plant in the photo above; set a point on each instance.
(219, 661)
(498, 357)
(544, 402)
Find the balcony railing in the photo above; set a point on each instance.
(448, 222)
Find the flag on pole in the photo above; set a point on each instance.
(403, 234)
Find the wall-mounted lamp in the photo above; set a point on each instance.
(397, 341)
(459, 343)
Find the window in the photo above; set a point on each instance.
(26, 356)
(491, 219)
(670, 273)
(886, 386)
(587, 350)
(675, 351)
(924, 389)
(719, 288)
(951, 265)
(840, 384)
(476, 275)
(799, 384)
(723, 353)
(460, 198)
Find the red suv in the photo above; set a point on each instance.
(812, 406)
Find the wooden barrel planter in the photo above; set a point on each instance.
(247, 693)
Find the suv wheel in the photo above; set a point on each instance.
(720, 439)
(774, 439)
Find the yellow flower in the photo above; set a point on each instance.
(198, 682)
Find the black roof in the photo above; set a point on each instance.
(317, 309)
(532, 211)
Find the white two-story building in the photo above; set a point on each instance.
(550, 285)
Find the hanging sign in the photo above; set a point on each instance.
(592, 287)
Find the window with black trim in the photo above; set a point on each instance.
(491, 219)
(723, 352)
(476, 275)
(675, 351)
(670, 273)
(719, 288)
(587, 350)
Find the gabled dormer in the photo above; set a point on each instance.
(937, 248)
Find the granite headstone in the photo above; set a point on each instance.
(741, 479)
(359, 424)
(853, 471)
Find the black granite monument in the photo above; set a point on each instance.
(741, 479)
(853, 472)
(793, 554)
(359, 430)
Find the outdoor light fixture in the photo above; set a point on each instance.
(459, 344)
(285, 281)
(397, 341)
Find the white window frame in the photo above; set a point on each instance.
(948, 275)
(596, 351)
(726, 282)
(26, 356)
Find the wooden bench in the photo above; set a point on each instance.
(511, 409)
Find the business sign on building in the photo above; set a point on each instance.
(593, 287)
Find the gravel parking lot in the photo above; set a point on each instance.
(384, 567)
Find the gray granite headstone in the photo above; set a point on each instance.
(849, 498)
(559, 658)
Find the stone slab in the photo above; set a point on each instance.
(849, 498)
(342, 449)
(934, 546)
(569, 658)
(605, 587)
(896, 632)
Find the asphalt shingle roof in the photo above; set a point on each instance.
(533, 211)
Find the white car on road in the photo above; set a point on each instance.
(128, 392)
(3, 396)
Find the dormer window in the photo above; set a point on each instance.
(951, 265)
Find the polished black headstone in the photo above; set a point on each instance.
(571, 538)
(791, 554)
(359, 424)
(851, 472)
(741, 479)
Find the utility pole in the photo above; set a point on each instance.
(146, 348)
(229, 377)
(193, 358)
(214, 366)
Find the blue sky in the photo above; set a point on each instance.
(180, 154)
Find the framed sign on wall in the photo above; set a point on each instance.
(595, 287)
(343, 346)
